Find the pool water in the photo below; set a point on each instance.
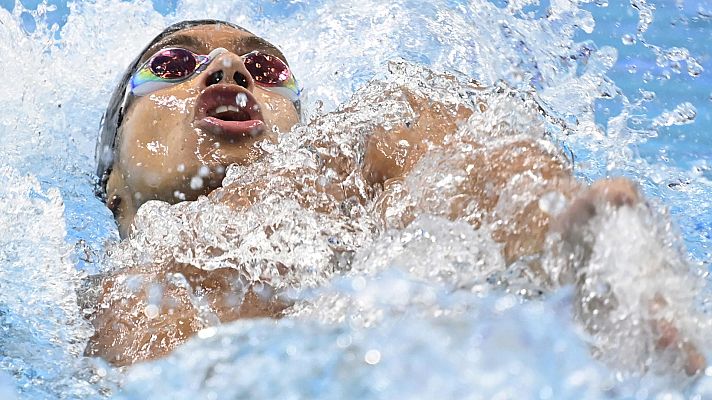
(626, 97)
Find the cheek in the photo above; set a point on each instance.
(157, 126)
(174, 103)
(277, 111)
(162, 115)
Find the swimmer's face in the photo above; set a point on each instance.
(175, 143)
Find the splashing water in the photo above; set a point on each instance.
(382, 312)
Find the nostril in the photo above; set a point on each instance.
(241, 79)
(214, 78)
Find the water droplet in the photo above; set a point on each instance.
(372, 357)
(207, 332)
(628, 39)
(179, 195)
(241, 100)
(588, 24)
(181, 168)
(151, 311)
(196, 183)
(694, 68)
(344, 341)
(647, 95)
(552, 203)
(204, 171)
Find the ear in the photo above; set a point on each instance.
(113, 203)
(120, 201)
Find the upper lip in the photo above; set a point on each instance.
(211, 102)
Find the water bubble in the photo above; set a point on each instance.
(151, 311)
(587, 24)
(647, 95)
(628, 39)
(553, 203)
(204, 171)
(196, 183)
(241, 100)
(372, 357)
(181, 168)
(632, 68)
(179, 195)
(207, 332)
(344, 341)
(694, 68)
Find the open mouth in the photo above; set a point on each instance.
(229, 110)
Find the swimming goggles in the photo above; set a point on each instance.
(174, 65)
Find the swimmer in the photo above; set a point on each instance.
(204, 95)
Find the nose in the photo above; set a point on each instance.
(229, 68)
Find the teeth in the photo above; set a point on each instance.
(223, 109)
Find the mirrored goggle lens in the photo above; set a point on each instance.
(266, 69)
(173, 64)
(165, 68)
(272, 74)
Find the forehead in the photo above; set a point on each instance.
(205, 38)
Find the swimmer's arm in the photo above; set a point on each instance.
(490, 172)
(146, 312)
(513, 188)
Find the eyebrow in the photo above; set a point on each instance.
(241, 46)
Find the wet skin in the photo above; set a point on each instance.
(166, 151)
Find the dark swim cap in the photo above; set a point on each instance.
(111, 121)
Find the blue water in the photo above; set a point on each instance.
(673, 166)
